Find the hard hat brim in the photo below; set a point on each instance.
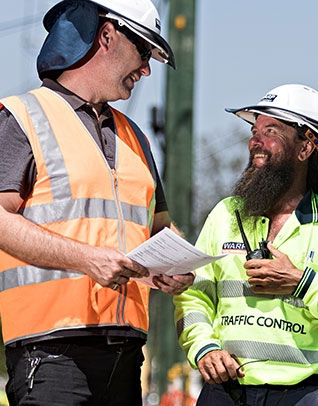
(249, 114)
(161, 51)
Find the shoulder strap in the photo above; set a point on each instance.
(145, 147)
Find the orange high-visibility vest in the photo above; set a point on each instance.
(78, 196)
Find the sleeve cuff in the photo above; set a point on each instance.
(205, 350)
(304, 283)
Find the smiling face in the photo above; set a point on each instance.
(110, 69)
(271, 140)
(126, 69)
(276, 166)
(132, 68)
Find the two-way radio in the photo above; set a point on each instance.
(260, 253)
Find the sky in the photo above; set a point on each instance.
(243, 48)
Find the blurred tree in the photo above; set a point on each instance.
(219, 161)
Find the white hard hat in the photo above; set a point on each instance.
(292, 102)
(139, 16)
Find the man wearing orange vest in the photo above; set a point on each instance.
(78, 190)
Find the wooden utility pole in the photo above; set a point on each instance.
(177, 170)
(179, 115)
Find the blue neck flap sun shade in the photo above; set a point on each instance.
(72, 26)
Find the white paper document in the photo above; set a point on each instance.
(169, 254)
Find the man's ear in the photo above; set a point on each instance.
(308, 146)
(306, 150)
(106, 35)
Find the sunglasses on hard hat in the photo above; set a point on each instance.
(143, 47)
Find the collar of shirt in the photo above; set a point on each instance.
(307, 209)
(73, 100)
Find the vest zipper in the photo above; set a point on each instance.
(120, 216)
(121, 299)
(121, 236)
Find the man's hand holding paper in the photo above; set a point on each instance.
(170, 260)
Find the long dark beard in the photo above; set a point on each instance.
(262, 187)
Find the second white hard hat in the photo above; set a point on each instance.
(291, 102)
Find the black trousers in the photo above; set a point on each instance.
(232, 394)
(76, 372)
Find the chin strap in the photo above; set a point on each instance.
(312, 138)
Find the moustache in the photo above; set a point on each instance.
(258, 150)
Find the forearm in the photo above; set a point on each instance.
(37, 246)
(162, 220)
(194, 315)
(176, 230)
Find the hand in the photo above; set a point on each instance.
(276, 276)
(219, 366)
(110, 267)
(173, 285)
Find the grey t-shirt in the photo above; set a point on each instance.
(17, 165)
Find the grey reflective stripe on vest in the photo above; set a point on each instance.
(29, 274)
(239, 288)
(136, 214)
(52, 154)
(189, 320)
(270, 352)
(89, 208)
(207, 286)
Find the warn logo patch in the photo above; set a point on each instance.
(233, 248)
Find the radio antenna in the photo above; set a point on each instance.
(239, 222)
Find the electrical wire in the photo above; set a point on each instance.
(223, 149)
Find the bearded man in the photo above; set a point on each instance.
(251, 326)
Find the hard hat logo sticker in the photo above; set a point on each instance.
(269, 97)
